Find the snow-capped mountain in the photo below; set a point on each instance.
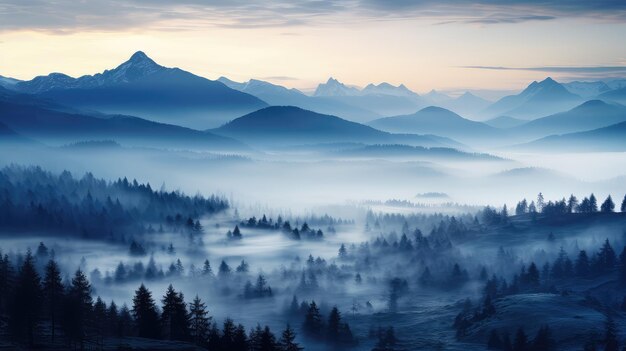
(333, 87)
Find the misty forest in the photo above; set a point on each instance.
(149, 208)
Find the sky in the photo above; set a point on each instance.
(424, 44)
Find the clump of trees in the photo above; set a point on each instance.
(33, 199)
(570, 205)
(74, 319)
(304, 232)
(332, 330)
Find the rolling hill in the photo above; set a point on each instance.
(143, 88)
(504, 122)
(611, 138)
(280, 125)
(438, 121)
(592, 114)
(617, 95)
(34, 120)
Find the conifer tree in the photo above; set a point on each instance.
(287, 340)
(174, 316)
(27, 303)
(200, 321)
(313, 325)
(53, 295)
(145, 314)
(608, 206)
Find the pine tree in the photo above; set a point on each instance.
(125, 322)
(145, 314)
(78, 309)
(27, 304)
(267, 340)
(224, 270)
(610, 335)
(287, 340)
(200, 321)
(7, 282)
(100, 319)
(543, 340)
(112, 320)
(606, 258)
(494, 342)
(582, 264)
(174, 316)
(622, 266)
(608, 206)
(228, 334)
(333, 326)
(533, 275)
(313, 325)
(237, 233)
(53, 295)
(240, 339)
(593, 204)
(206, 269)
(521, 340)
(623, 207)
(572, 204)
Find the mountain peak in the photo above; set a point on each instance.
(139, 56)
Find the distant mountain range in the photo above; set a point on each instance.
(7, 82)
(617, 95)
(611, 138)
(383, 99)
(587, 89)
(438, 121)
(412, 152)
(592, 114)
(277, 95)
(141, 87)
(288, 125)
(538, 99)
(505, 122)
(34, 119)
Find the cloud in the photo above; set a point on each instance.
(557, 69)
(71, 15)
(285, 78)
(567, 73)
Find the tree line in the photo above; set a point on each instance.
(43, 310)
(33, 199)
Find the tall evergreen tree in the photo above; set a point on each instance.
(78, 309)
(200, 321)
(593, 204)
(100, 320)
(287, 340)
(174, 316)
(494, 342)
(313, 325)
(27, 303)
(543, 340)
(53, 295)
(333, 327)
(582, 264)
(240, 339)
(521, 340)
(610, 335)
(622, 266)
(145, 314)
(608, 205)
(623, 207)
